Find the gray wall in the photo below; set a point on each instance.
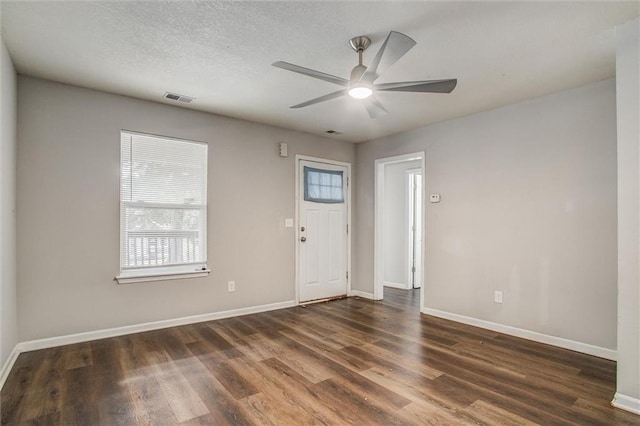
(396, 222)
(68, 221)
(628, 109)
(528, 207)
(8, 141)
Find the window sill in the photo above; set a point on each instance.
(130, 279)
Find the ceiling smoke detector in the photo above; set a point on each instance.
(179, 98)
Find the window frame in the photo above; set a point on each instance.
(147, 273)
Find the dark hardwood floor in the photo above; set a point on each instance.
(408, 300)
(349, 361)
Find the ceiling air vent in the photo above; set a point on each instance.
(179, 98)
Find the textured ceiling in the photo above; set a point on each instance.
(220, 53)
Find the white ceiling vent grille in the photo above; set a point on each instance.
(179, 98)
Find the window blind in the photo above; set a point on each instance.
(163, 201)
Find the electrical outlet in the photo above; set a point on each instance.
(497, 296)
(232, 286)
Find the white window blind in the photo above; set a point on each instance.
(163, 205)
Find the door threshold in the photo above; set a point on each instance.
(327, 299)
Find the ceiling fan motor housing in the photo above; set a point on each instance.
(357, 72)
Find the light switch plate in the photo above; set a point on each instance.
(288, 223)
(434, 198)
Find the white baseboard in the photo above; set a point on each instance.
(395, 285)
(526, 334)
(363, 294)
(51, 342)
(8, 365)
(626, 403)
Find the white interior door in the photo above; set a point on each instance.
(322, 257)
(417, 220)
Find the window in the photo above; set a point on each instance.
(163, 208)
(323, 186)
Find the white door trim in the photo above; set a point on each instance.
(299, 158)
(378, 253)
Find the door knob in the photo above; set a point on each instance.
(303, 239)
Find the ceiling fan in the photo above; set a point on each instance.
(361, 82)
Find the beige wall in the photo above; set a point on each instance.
(8, 140)
(528, 207)
(628, 110)
(68, 210)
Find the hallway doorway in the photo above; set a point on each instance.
(399, 226)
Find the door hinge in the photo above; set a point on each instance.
(347, 228)
(347, 275)
(413, 269)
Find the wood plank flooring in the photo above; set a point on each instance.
(350, 361)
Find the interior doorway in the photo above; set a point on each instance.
(399, 224)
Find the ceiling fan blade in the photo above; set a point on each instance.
(432, 86)
(321, 99)
(311, 73)
(393, 48)
(374, 107)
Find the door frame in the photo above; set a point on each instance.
(299, 158)
(378, 230)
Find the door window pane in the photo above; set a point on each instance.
(323, 186)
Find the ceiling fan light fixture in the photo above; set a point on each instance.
(362, 83)
(360, 92)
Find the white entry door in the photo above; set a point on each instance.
(322, 230)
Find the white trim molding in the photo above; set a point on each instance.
(526, 334)
(129, 279)
(626, 403)
(8, 365)
(51, 342)
(396, 285)
(363, 294)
